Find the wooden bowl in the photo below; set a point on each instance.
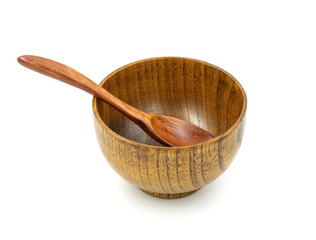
(189, 89)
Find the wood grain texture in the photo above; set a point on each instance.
(189, 89)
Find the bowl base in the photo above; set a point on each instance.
(170, 195)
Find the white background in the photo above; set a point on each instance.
(54, 180)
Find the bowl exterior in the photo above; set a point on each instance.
(169, 172)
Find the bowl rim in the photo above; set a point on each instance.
(213, 140)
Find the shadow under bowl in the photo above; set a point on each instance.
(189, 89)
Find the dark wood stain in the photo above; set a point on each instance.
(170, 132)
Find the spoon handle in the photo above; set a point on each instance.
(72, 77)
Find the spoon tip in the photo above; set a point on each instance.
(22, 59)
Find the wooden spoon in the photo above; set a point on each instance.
(169, 131)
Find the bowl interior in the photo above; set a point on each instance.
(184, 88)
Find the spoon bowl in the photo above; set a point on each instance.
(178, 132)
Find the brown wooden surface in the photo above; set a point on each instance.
(184, 88)
(164, 129)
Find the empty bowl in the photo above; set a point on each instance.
(189, 89)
